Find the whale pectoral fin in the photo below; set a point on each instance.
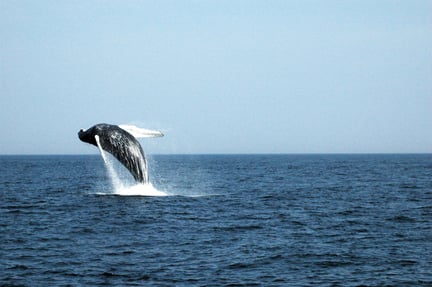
(140, 132)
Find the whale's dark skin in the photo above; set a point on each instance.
(122, 145)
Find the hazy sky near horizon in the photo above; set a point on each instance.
(218, 76)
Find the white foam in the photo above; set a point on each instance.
(139, 190)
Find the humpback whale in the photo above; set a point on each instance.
(121, 142)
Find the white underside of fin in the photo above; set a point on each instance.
(141, 133)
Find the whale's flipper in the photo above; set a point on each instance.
(122, 145)
(140, 132)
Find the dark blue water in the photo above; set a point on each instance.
(235, 220)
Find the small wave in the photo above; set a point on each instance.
(239, 227)
(401, 218)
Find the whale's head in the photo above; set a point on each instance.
(87, 136)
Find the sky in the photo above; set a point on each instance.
(218, 76)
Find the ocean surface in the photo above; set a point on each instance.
(228, 220)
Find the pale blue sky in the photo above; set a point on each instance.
(218, 76)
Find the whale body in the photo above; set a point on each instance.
(122, 144)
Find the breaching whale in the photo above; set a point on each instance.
(121, 142)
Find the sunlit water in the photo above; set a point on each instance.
(237, 220)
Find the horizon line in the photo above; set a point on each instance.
(217, 153)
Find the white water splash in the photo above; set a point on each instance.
(140, 190)
(121, 188)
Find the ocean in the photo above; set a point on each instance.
(228, 220)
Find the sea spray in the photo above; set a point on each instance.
(140, 190)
